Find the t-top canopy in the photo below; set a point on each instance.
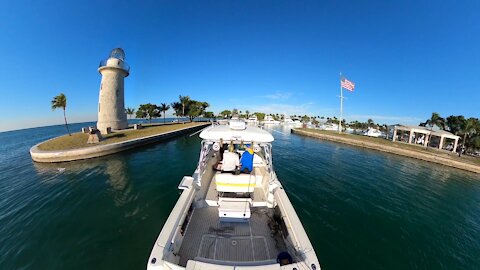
(226, 133)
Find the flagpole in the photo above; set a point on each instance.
(341, 105)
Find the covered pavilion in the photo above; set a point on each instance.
(421, 135)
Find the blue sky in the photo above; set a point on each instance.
(407, 58)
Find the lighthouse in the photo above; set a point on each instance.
(111, 101)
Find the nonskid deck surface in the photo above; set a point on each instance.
(208, 238)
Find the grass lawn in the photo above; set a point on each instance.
(79, 140)
(401, 145)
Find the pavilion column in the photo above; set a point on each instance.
(411, 136)
(440, 145)
(394, 134)
(455, 145)
(427, 138)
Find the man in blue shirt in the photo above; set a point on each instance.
(246, 161)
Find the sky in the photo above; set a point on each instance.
(407, 58)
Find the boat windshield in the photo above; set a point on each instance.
(209, 148)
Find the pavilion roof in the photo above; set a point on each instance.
(425, 130)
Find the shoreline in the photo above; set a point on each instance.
(430, 157)
(53, 156)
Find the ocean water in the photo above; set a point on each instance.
(361, 208)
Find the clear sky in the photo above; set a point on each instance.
(407, 58)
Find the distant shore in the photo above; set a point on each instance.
(431, 155)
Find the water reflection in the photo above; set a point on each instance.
(118, 178)
(112, 168)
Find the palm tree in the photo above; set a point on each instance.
(163, 108)
(130, 111)
(184, 101)
(247, 113)
(204, 106)
(469, 128)
(60, 101)
(370, 122)
(435, 120)
(177, 107)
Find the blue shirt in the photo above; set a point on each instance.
(247, 160)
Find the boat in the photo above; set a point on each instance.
(224, 220)
(373, 132)
(252, 120)
(269, 120)
(329, 126)
(222, 121)
(290, 122)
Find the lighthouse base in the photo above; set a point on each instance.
(114, 125)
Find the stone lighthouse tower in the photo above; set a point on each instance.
(111, 103)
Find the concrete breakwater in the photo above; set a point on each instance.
(105, 149)
(430, 157)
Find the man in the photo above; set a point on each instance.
(246, 161)
(230, 160)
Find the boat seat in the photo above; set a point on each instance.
(228, 182)
(234, 209)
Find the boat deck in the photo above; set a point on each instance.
(207, 239)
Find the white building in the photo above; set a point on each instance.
(111, 102)
(440, 139)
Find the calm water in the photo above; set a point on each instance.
(362, 209)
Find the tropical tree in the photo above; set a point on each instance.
(184, 100)
(208, 115)
(60, 101)
(204, 106)
(435, 120)
(225, 113)
(235, 112)
(455, 123)
(370, 123)
(469, 128)
(247, 113)
(148, 111)
(260, 116)
(130, 111)
(178, 108)
(194, 109)
(164, 108)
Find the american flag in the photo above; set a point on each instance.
(347, 84)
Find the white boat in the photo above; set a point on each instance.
(373, 132)
(290, 122)
(270, 121)
(329, 126)
(223, 121)
(252, 120)
(227, 221)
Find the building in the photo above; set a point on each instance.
(111, 101)
(440, 139)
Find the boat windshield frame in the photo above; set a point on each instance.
(207, 147)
